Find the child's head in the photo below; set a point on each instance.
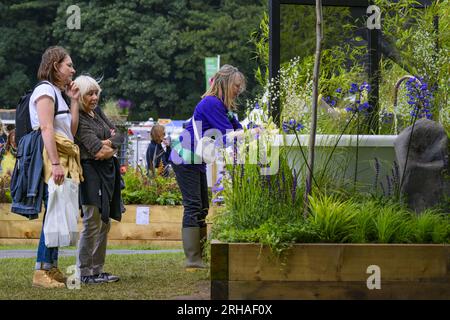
(157, 134)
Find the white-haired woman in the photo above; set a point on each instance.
(213, 112)
(100, 196)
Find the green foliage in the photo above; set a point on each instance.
(264, 195)
(416, 49)
(140, 189)
(336, 218)
(150, 52)
(260, 39)
(169, 198)
(431, 227)
(392, 224)
(333, 217)
(24, 34)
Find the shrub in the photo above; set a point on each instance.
(140, 189)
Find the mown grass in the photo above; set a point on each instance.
(110, 247)
(143, 277)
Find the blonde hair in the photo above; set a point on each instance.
(86, 84)
(222, 85)
(157, 133)
(47, 70)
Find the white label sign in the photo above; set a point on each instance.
(142, 215)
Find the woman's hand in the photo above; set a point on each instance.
(73, 92)
(107, 142)
(58, 174)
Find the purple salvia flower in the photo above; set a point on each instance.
(377, 171)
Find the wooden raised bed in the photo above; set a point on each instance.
(164, 228)
(330, 271)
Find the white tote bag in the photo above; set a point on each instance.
(206, 148)
(60, 225)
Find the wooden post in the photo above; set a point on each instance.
(312, 136)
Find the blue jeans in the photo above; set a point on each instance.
(46, 257)
(194, 189)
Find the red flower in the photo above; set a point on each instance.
(130, 132)
(123, 169)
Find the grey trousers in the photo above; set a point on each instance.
(92, 245)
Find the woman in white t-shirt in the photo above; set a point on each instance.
(57, 68)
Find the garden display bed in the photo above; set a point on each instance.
(164, 228)
(330, 271)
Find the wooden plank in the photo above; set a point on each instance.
(20, 229)
(131, 231)
(172, 244)
(16, 242)
(157, 243)
(119, 231)
(284, 290)
(340, 262)
(219, 271)
(157, 214)
(7, 215)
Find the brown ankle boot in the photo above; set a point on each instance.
(42, 279)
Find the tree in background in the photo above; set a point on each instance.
(25, 32)
(150, 52)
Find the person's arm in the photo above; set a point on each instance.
(46, 113)
(74, 94)
(236, 124)
(87, 137)
(116, 139)
(105, 153)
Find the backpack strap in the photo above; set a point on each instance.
(56, 112)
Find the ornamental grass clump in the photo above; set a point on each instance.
(431, 226)
(393, 224)
(333, 217)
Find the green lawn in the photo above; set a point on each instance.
(143, 277)
(110, 247)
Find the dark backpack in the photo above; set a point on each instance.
(23, 122)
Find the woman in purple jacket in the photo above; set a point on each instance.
(214, 112)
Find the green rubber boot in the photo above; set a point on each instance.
(192, 249)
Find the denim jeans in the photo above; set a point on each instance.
(194, 189)
(46, 257)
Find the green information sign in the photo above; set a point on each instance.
(212, 65)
